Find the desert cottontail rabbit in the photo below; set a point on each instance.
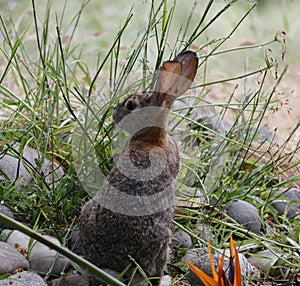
(128, 222)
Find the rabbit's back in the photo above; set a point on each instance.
(114, 238)
(110, 238)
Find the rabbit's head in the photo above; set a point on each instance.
(151, 109)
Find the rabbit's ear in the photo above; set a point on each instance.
(175, 77)
(168, 81)
(189, 63)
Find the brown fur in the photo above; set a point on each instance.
(114, 239)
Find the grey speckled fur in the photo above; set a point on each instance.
(110, 239)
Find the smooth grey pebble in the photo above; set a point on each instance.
(166, 280)
(289, 202)
(194, 254)
(15, 169)
(11, 259)
(40, 256)
(181, 239)
(71, 280)
(24, 278)
(4, 210)
(245, 214)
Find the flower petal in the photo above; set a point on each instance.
(206, 279)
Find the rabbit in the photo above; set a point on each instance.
(128, 222)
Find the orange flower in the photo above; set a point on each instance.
(219, 279)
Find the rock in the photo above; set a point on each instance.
(2, 180)
(166, 280)
(14, 167)
(264, 260)
(245, 214)
(18, 238)
(11, 259)
(287, 200)
(181, 239)
(23, 278)
(40, 256)
(247, 270)
(4, 210)
(74, 242)
(71, 280)
(194, 254)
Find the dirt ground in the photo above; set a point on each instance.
(287, 114)
(282, 121)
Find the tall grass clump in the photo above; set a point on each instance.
(53, 91)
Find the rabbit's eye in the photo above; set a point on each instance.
(130, 105)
